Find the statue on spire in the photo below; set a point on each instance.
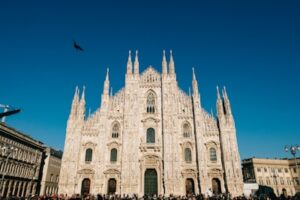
(194, 83)
(129, 64)
(136, 63)
(164, 64)
(106, 83)
(171, 64)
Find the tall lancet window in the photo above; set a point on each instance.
(151, 103)
(113, 155)
(150, 135)
(213, 154)
(88, 155)
(115, 130)
(186, 130)
(187, 155)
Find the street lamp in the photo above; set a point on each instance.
(6, 150)
(293, 150)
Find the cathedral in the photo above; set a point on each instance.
(151, 138)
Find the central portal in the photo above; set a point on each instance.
(150, 184)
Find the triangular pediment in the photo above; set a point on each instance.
(150, 76)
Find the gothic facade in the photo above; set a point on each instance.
(151, 138)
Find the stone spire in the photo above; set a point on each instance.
(220, 108)
(81, 110)
(164, 64)
(136, 63)
(226, 102)
(129, 64)
(194, 83)
(105, 94)
(82, 99)
(75, 102)
(76, 96)
(106, 83)
(171, 64)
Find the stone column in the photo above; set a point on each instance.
(14, 188)
(9, 188)
(3, 188)
(34, 189)
(19, 188)
(24, 189)
(28, 190)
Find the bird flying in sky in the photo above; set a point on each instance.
(76, 46)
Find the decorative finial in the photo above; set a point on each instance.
(107, 74)
(83, 93)
(218, 93)
(224, 92)
(194, 76)
(164, 64)
(171, 64)
(129, 63)
(136, 63)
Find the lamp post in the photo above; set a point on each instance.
(293, 150)
(6, 150)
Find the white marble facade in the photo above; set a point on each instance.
(150, 137)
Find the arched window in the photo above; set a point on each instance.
(113, 155)
(213, 154)
(88, 155)
(187, 155)
(115, 131)
(186, 130)
(150, 135)
(151, 103)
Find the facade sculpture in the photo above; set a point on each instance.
(151, 138)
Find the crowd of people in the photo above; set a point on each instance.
(283, 196)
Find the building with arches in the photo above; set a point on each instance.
(21, 169)
(51, 170)
(151, 138)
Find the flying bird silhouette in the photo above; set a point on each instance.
(76, 46)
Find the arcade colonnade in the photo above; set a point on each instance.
(19, 188)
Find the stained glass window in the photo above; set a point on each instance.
(151, 103)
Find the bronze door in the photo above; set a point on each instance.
(150, 184)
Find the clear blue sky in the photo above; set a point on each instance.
(252, 47)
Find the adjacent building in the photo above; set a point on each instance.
(21, 160)
(151, 138)
(51, 170)
(275, 173)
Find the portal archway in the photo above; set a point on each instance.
(216, 186)
(189, 186)
(150, 182)
(85, 186)
(112, 186)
